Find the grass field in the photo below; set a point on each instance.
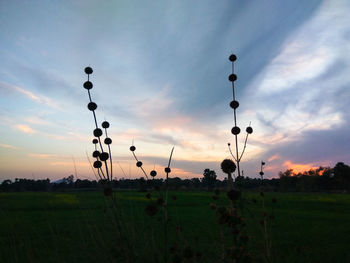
(78, 227)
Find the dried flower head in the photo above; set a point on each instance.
(96, 154)
(234, 104)
(228, 166)
(92, 106)
(232, 77)
(105, 124)
(88, 70)
(153, 173)
(88, 85)
(232, 58)
(249, 130)
(235, 130)
(108, 141)
(104, 156)
(98, 132)
(97, 164)
(132, 148)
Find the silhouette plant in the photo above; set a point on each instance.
(231, 218)
(236, 130)
(104, 170)
(266, 218)
(151, 209)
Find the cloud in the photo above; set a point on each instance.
(8, 146)
(301, 96)
(25, 128)
(70, 164)
(42, 155)
(299, 167)
(273, 157)
(30, 95)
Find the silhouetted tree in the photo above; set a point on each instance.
(341, 174)
(209, 178)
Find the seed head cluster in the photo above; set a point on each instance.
(104, 169)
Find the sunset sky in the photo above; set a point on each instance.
(160, 78)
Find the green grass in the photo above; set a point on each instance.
(78, 226)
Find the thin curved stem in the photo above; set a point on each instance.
(245, 146)
(141, 166)
(110, 155)
(229, 147)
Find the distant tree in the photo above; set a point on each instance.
(196, 182)
(209, 178)
(341, 174)
(286, 173)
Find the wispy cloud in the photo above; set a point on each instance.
(8, 146)
(30, 95)
(42, 155)
(25, 128)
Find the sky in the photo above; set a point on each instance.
(161, 79)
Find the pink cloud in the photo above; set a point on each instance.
(25, 128)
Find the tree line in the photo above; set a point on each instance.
(324, 179)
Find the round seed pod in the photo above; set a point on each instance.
(92, 106)
(228, 144)
(228, 166)
(88, 85)
(261, 173)
(95, 141)
(96, 154)
(132, 148)
(235, 130)
(262, 163)
(88, 70)
(232, 77)
(153, 173)
(232, 58)
(167, 170)
(233, 194)
(234, 104)
(139, 164)
(104, 156)
(108, 141)
(249, 130)
(98, 132)
(105, 124)
(97, 164)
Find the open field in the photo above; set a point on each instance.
(77, 227)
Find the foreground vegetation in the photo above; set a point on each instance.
(77, 226)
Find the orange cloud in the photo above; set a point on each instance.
(298, 167)
(25, 128)
(274, 157)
